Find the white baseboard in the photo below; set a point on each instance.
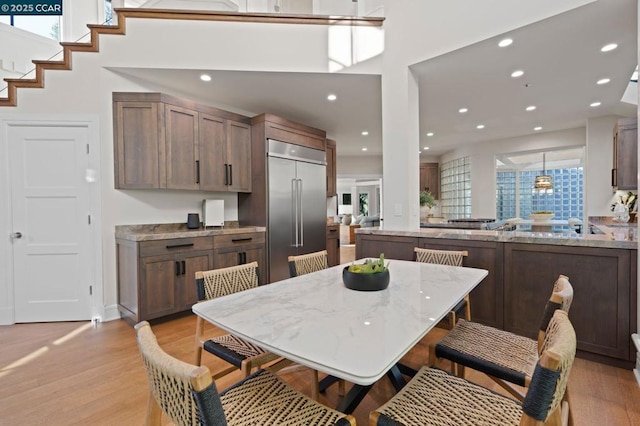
(6, 316)
(111, 313)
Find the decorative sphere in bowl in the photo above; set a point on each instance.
(365, 282)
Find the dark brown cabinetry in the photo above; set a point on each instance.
(166, 142)
(601, 280)
(487, 297)
(393, 247)
(156, 278)
(238, 249)
(331, 169)
(430, 179)
(333, 244)
(521, 278)
(624, 175)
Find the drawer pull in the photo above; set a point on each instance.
(332, 230)
(238, 240)
(179, 246)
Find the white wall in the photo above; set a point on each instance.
(19, 47)
(361, 166)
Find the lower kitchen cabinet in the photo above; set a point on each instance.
(333, 244)
(602, 285)
(157, 278)
(238, 249)
(401, 248)
(487, 297)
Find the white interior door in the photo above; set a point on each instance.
(50, 222)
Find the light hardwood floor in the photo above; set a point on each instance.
(77, 374)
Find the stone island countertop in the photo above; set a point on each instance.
(626, 238)
(165, 231)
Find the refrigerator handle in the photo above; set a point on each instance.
(301, 242)
(294, 211)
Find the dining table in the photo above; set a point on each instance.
(358, 336)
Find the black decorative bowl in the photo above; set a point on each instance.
(365, 282)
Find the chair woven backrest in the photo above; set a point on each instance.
(170, 380)
(549, 381)
(307, 263)
(440, 257)
(223, 281)
(561, 298)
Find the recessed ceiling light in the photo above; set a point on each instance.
(364, 149)
(425, 148)
(205, 77)
(518, 73)
(480, 126)
(609, 47)
(430, 134)
(537, 129)
(365, 133)
(595, 104)
(505, 42)
(332, 97)
(531, 107)
(463, 110)
(603, 81)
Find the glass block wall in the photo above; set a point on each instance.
(566, 199)
(455, 188)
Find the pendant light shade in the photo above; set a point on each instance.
(543, 182)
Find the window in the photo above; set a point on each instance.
(455, 187)
(516, 173)
(363, 206)
(44, 25)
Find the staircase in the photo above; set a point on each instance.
(11, 98)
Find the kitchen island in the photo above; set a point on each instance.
(522, 269)
(156, 264)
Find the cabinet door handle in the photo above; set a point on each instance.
(244, 257)
(179, 246)
(226, 174)
(184, 267)
(239, 258)
(614, 177)
(238, 240)
(230, 175)
(177, 268)
(197, 171)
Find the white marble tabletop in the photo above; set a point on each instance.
(358, 336)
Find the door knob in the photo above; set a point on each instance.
(16, 235)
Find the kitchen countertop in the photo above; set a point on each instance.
(165, 231)
(607, 240)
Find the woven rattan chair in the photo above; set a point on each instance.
(306, 264)
(187, 395)
(504, 356)
(234, 350)
(452, 258)
(436, 397)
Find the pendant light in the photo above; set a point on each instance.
(543, 182)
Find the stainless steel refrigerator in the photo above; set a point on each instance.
(297, 206)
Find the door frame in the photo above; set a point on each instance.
(91, 122)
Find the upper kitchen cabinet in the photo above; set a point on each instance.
(225, 155)
(139, 144)
(430, 179)
(624, 174)
(331, 168)
(170, 143)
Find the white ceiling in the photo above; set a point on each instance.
(560, 56)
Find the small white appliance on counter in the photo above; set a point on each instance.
(212, 213)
